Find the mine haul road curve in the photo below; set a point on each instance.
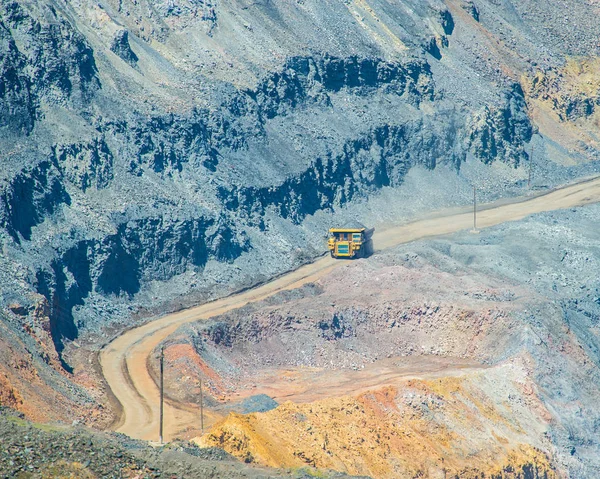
(124, 361)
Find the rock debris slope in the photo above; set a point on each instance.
(471, 355)
(31, 450)
(156, 154)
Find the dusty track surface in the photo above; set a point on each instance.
(303, 385)
(124, 361)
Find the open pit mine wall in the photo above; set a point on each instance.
(102, 193)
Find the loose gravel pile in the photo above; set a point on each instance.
(28, 450)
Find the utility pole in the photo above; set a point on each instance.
(474, 209)
(162, 392)
(530, 167)
(474, 230)
(201, 408)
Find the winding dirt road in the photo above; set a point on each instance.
(124, 360)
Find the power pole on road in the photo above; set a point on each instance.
(162, 393)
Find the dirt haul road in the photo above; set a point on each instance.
(124, 361)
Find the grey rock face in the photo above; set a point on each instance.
(120, 45)
(501, 132)
(364, 165)
(471, 7)
(85, 164)
(33, 194)
(141, 250)
(55, 58)
(204, 10)
(16, 102)
(309, 80)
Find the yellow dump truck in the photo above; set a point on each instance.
(351, 241)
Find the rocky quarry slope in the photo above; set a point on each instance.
(31, 450)
(470, 356)
(160, 153)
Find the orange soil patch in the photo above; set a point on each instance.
(179, 355)
(424, 429)
(8, 395)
